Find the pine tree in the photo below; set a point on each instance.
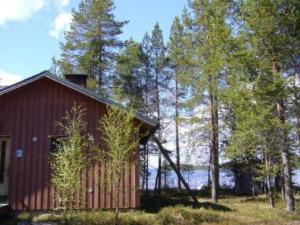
(149, 109)
(129, 75)
(158, 51)
(274, 39)
(148, 76)
(91, 42)
(176, 55)
(209, 37)
(251, 143)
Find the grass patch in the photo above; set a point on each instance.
(177, 209)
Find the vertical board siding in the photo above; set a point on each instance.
(32, 111)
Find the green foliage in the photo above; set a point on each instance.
(208, 41)
(121, 138)
(179, 66)
(252, 118)
(233, 58)
(130, 74)
(69, 160)
(267, 44)
(273, 35)
(158, 48)
(90, 43)
(91, 84)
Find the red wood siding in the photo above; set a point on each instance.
(31, 111)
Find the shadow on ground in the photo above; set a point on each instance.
(153, 203)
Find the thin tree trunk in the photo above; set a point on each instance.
(147, 168)
(284, 148)
(268, 180)
(165, 173)
(287, 176)
(289, 197)
(282, 187)
(252, 181)
(117, 210)
(100, 76)
(117, 197)
(177, 131)
(208, 171)
(144, 168)
(266, 190)
(158, 176)
(214, 144)
(147, 113)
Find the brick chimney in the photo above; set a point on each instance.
(79, 79)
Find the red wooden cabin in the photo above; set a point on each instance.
(28, 112)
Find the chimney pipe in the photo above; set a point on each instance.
(79, 79)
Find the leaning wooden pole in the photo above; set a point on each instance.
(172, 164)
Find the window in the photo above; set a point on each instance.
(54, 142)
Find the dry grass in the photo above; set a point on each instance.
(246, 211)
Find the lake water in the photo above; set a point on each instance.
(198, 178)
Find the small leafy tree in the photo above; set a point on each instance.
(69, 159)
(121, 138)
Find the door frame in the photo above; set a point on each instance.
(6, 184)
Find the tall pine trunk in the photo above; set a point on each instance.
(147, 109)
(159, 169)
(284, 149)
(214, 144)
(177, 131)
(286, 168)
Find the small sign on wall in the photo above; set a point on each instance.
(19, 153)
(34, 139)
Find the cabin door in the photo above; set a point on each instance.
(4, 165)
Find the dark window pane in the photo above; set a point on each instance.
(54, 142)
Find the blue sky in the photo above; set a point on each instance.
(30, 30)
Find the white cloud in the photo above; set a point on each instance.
(18, 10)
(8, 78)
(62, 3)
(61, 23)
